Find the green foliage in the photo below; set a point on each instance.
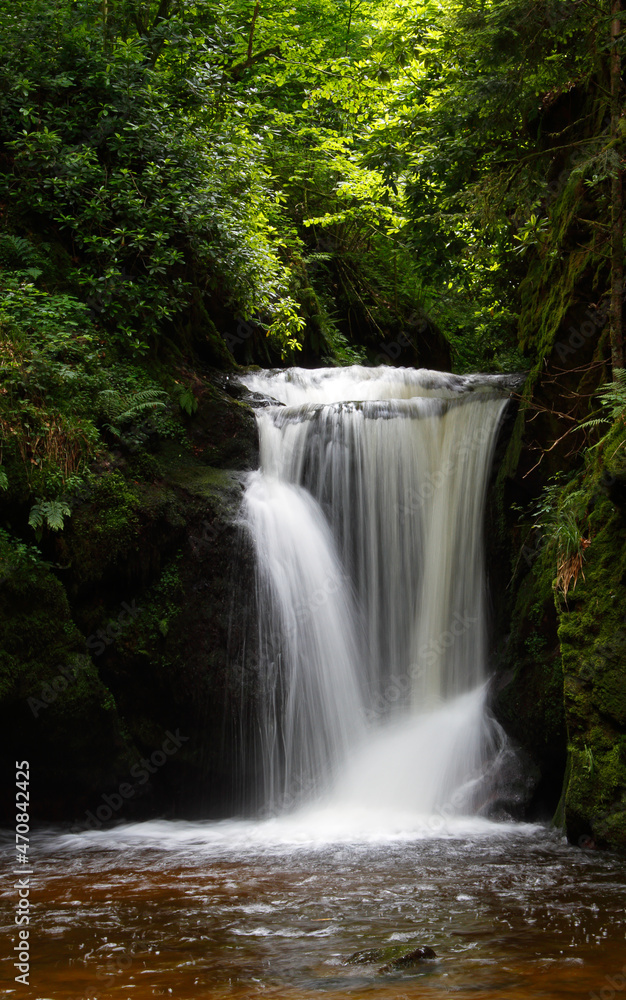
(151, 190)
(560, 513)
(64, 395)
(123, 408)
(188, 162)
(187, 402)
(17, 556)
(202, 149)
(49, 514)
(535, 644)
(613, 399)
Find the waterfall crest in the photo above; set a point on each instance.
(366, 517)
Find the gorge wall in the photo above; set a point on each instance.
(121, 640)
(559, 505)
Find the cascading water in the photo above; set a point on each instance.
(366, 517)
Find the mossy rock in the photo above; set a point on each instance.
(54, 709)
(529, 687)
(592, 635)
(222, 432)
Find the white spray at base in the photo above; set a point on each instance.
(367, 523)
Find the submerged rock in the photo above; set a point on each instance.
(405, 960)
(410, 959)
(368, 956)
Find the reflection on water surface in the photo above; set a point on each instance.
(275, 910)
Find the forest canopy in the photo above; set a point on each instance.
(323, 169)
(319, 182)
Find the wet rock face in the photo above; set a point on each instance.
(157, 534)
(561, 660)
(592, 635)
(55, 710)
(223, 432)
(561, 689)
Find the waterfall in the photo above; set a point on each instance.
(366, 517)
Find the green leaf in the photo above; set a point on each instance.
(188, 402)
(48, 513)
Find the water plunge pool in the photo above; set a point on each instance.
(277, 908)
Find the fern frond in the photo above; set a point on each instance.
(17, 253)
(50, 513)
(125, 407)
(188, 402)
(594, 422)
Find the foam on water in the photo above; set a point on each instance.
(311, 827)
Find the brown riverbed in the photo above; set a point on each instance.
(242, 910)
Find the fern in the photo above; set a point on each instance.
(4, 482)
(48, 513)
(14, 250)
(613, 399)
(17, 254)
(123, 408)
(188, 402)
(594, 422)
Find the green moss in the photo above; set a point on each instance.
(559, 295)
(103, 531)
(592, 637)
(202, 480)
(37, 631)
(546, 299)
(596, 789)
(531, 704)
(52, 699)
(566, 265)
(160, 607)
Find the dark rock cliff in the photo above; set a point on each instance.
(124, 656)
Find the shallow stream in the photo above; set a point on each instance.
(278, 908)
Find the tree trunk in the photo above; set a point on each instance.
(251, 35)
(617, 217)
(350, 12)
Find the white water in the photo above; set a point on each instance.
(366, 517)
